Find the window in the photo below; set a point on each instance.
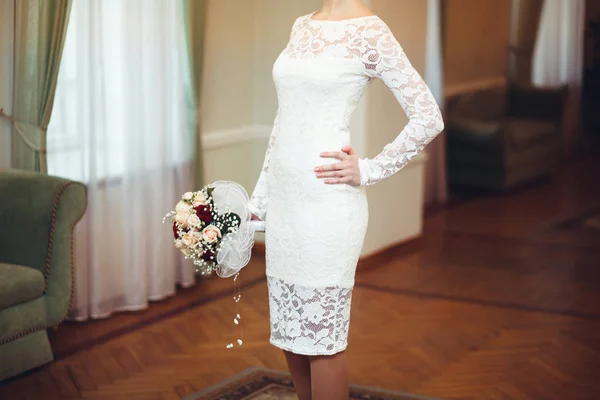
(121, 103)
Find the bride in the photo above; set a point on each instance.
(311, 190)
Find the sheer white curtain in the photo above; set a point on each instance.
(436, 190)
(558, 58)
(121, 125)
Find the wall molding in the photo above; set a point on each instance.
(468, 87)
(228, 137)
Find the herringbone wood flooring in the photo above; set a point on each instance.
(487, 305)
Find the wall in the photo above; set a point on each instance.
(476, 40)
(273, 23)
(239, 103)
(395, 204)
(227, 96)
(6, 29)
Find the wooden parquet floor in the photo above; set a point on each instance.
(489, 304)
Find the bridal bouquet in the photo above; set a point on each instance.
(212, 228)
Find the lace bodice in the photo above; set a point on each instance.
(369, 45)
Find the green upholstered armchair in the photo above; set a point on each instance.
(37, 216)
(498, 139)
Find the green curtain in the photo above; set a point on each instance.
(40, 28)
(195, 18)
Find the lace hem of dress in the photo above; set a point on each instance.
(307, 320)
(308, 351)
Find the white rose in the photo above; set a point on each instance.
(199, 200)
(188, 195)
(211, 233)
(186, 251)
(190, 239)
(178, 243)
(182, 206)
(181, 218)
(193, 221)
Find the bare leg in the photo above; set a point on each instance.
(329, 377)
(299, 366)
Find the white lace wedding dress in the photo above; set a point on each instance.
(315, 231)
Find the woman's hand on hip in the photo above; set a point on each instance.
(345, 171)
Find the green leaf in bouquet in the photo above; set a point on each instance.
(231, 222)
(235, 219)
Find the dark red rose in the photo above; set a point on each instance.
(203, 212)
(175, 233)
(207, 255)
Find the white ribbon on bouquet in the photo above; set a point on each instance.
(236, 249)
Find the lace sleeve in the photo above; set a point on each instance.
(384, 58)
(259, 200)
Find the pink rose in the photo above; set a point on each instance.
(190, 239)
(211, 233)
(182, 206)
(193, 221)
(199, 200)
(181, 218)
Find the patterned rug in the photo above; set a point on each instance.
(263, 384)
